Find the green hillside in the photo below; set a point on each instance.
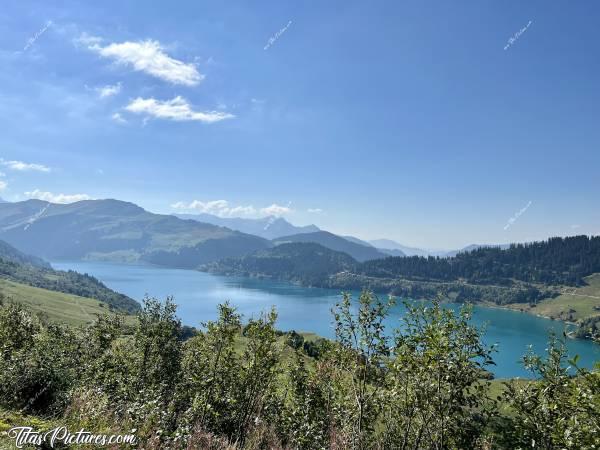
(23, 269)
(333, 242)
(305, 263)
(116, 230)
(9, 253)
(55, 306)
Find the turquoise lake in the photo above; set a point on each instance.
(308, 309)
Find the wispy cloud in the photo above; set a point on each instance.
(314, 210)
(513, 219)
(223, 208)
(177, 109)
(3, 185)
(117, 117)
(220, 208)
(109, 90)
(276, 210)
(56, 198)
(146, 56)
(23, 166)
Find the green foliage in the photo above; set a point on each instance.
(558, 410)
(304, 416)
(436, 395)
(37, 362)
(360, 358)
(211, 366)
(421, 386)
(589, 328)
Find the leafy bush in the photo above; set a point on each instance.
(421, 386)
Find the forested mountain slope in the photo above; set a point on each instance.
(37, 273)
(116, 230)
(334, 242)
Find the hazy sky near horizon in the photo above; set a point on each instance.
(436, 124)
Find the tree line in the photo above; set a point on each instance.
(558, 260)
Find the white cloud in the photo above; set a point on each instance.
(23, 166)
(574, 227)
(276, 210)
(109, 90)
(177, 109)
(88, 40)
(146, 56)
(117, 117)
(3, 185)
(222, 208)
(56, 198)
(219, 208)
(315, 210)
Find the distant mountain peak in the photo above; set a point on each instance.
(270, 227)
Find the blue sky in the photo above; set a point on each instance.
(406, 120)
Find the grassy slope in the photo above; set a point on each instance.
(578, 303)
(56, 306)
(9, 419)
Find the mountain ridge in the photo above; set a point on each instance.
(119, 231)
(270, 227)
(337, 243)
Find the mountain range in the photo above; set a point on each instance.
(387, 245)
(270, 227)
(393, 248)
(115, 230)
(337, 243)
(118, 231)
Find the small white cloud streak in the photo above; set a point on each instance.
(23, 166)
(56, 198)
(314, 210)
(146, 56)
(117, 117)
(513, 219)
(177, 109)
(3, 185)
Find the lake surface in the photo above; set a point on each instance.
(197, 295)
